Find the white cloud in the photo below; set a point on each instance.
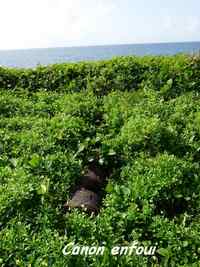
(168, 23)
(25, 23)
(193, 25)
(50, 23)
(181, 27)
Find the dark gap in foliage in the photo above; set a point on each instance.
(26, 209)
(166, 141)
(178, 199)
(171, 207)
(196, 156)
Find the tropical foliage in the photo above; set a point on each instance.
(141, 116)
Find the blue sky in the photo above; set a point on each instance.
(55, 23)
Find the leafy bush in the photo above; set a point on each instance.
(140, 117)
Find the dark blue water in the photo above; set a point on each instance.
(33, 57)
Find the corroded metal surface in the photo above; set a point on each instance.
(88, 192)
(84, 199)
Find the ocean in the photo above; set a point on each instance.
(44, 56)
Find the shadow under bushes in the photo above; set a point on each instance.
(178, 198)
(26, 209)
(167, 141)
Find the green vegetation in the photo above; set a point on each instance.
(141, 116)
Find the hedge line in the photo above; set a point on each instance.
(177, 73)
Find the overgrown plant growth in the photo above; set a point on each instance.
(140, 117)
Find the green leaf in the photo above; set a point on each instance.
(111, 152)
(34, 162)
(164, 252)
(109, 188)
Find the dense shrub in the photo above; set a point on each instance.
(172, 75)
(140, 117)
